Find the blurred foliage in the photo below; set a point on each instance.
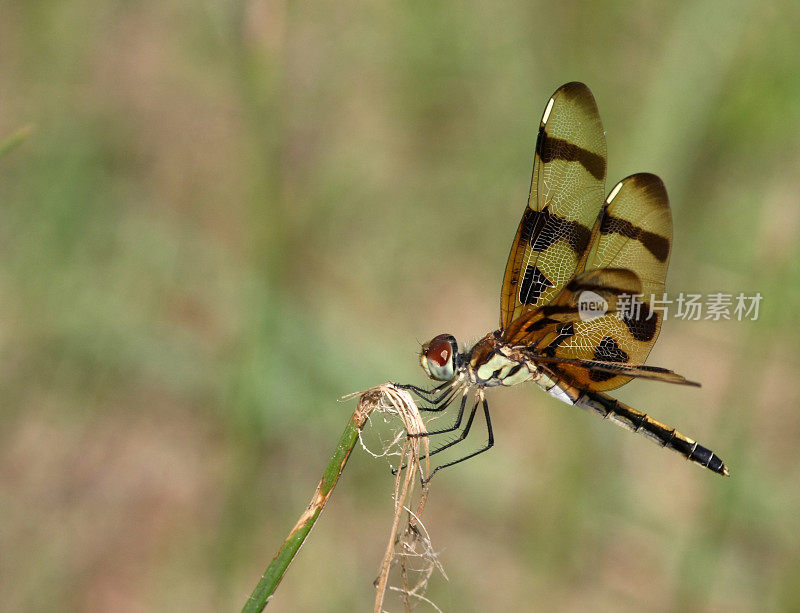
(232, 213)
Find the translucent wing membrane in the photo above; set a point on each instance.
(566, 195)
(634, 232)
(607, 285)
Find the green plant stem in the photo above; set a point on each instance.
(276, 569)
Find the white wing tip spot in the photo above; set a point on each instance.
(614, 192)
(549, 108)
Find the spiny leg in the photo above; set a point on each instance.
(486, 447)
(460, 437)
(443, 403)
(422, 392)
(452, 428)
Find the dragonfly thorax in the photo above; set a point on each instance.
(492, 363)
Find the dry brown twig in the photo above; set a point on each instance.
(413, 543)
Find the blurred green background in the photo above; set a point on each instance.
(229, 214)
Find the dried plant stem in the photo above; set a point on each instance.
(386, 397)
(403, 487)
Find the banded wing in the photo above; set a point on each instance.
(603, 284)
(633, 232)
(566, 196)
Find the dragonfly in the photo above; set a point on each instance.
(577, 259)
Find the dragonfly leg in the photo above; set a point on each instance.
(442, 404)
(486, 447)
(422, 392)
(462, 436)
(452, 428)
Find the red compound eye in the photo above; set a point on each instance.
(439, 350)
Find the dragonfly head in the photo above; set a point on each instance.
(438, 357)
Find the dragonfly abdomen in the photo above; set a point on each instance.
(621, 414)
